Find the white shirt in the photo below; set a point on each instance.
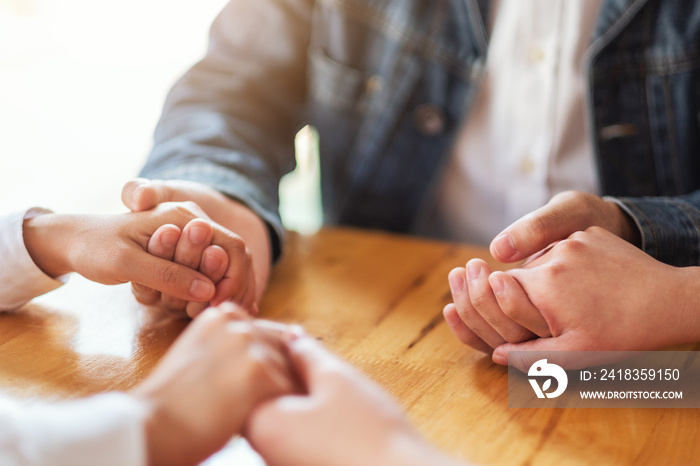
(20, 278)
(526, 137)
(105, 429)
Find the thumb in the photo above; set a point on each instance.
(525, 354)
(565, 351)
(563, 215)
(143, 194)
(171, 278)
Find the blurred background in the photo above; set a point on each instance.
(82, 84)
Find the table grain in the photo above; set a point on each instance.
(375, 299)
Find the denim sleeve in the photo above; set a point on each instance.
(230, 121)
(669, 226)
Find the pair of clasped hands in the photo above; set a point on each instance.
(583, 287)
(227, 374)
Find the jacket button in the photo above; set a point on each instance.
(429, 119)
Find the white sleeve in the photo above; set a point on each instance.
(105, 429)
(20, 278)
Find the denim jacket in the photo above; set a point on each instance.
(387, 82)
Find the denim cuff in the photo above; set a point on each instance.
(234, 185)
(670, 227)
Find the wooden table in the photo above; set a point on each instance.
(375, 299)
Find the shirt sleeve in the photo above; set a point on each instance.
(105, 429)
(230, 121)
(669, 226)
(20, 278)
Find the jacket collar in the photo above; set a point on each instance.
(614, 15)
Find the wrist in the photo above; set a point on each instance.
(684, 304)
(161, 433)
(45, 238)
(626, 227)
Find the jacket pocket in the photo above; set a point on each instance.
(333, 84)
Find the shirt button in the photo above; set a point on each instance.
(374, 84)
(429, 119)
(527, 165)
(535, 55)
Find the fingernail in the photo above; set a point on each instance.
(499, 358)
(473, 270)
(504, 246)
(198, 235)
(135, 196)
(497, 284)
(201, 290)
(456, 282)
(170, 239)
(211, 263)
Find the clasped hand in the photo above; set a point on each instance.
(587, 289)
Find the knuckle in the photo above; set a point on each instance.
(191, 207)
(171, 275)
(512, 312)
(572, 245)
(236, 246)
(554, 271)
(538, 226)
(479, 301)
(185, 211)
(569, 196)
(595, 230)
(466, 313)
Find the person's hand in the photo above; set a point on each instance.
(192, 248)
(141, 194)
(213, 262)
(563, 215)
(342, 419)
(204, 388)
(479, 315)
(112, 249)
(595, 292)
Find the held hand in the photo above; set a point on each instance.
(563, 215)
(111, 249)
(141, 194)
(483, 315)
(590, 292)
(166, 243)
(201, 392)
(342, 419)
(600, 293)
